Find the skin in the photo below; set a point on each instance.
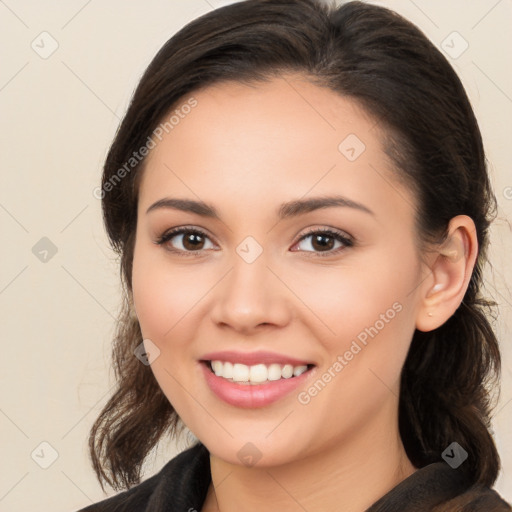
(245, 150)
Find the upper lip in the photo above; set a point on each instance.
(253, 358)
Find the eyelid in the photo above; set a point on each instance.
(334, 231)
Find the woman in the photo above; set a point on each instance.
(299, 197)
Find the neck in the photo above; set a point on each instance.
(349, 476)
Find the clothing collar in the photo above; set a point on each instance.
(190, 472)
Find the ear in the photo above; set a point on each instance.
(451, 268)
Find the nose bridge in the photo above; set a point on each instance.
(251, 294)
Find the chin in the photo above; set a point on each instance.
(256, 451)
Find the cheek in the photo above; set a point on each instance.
(348, 303)
(370, 313)
(163, 293)
(361, 373)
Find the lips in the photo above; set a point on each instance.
(255, 390)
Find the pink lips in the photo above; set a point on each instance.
(252, 395)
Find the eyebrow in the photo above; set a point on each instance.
(286, 210)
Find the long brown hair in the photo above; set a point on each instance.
(387, 65)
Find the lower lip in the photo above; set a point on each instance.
(252, 395)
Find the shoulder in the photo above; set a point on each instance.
(439, 488)
(475, 499)
(184, 478)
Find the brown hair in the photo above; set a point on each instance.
(386, 64)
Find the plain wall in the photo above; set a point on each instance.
(59, 115)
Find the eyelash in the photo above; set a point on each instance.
(337, 235)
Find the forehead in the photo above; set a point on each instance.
(269, 141)
(286, 114)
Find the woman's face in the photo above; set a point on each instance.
(260, 286)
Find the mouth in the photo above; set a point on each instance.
(254, 379)
(255, 374)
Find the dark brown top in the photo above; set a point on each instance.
(182, 484)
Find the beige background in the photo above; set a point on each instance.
(59, 115)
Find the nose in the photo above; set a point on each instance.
(252, 296)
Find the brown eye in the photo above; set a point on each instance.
(324, 241)
(192, 241)
(183, 240)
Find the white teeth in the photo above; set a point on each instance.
(240, 373)
(217, 368)
(274, 372)
(287, 371)
(227, 370)
(297, 370)
(255, 374)
(258, 373)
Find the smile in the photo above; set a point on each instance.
(254, 380)
(255, 374)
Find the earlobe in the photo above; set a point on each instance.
(451, 271)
